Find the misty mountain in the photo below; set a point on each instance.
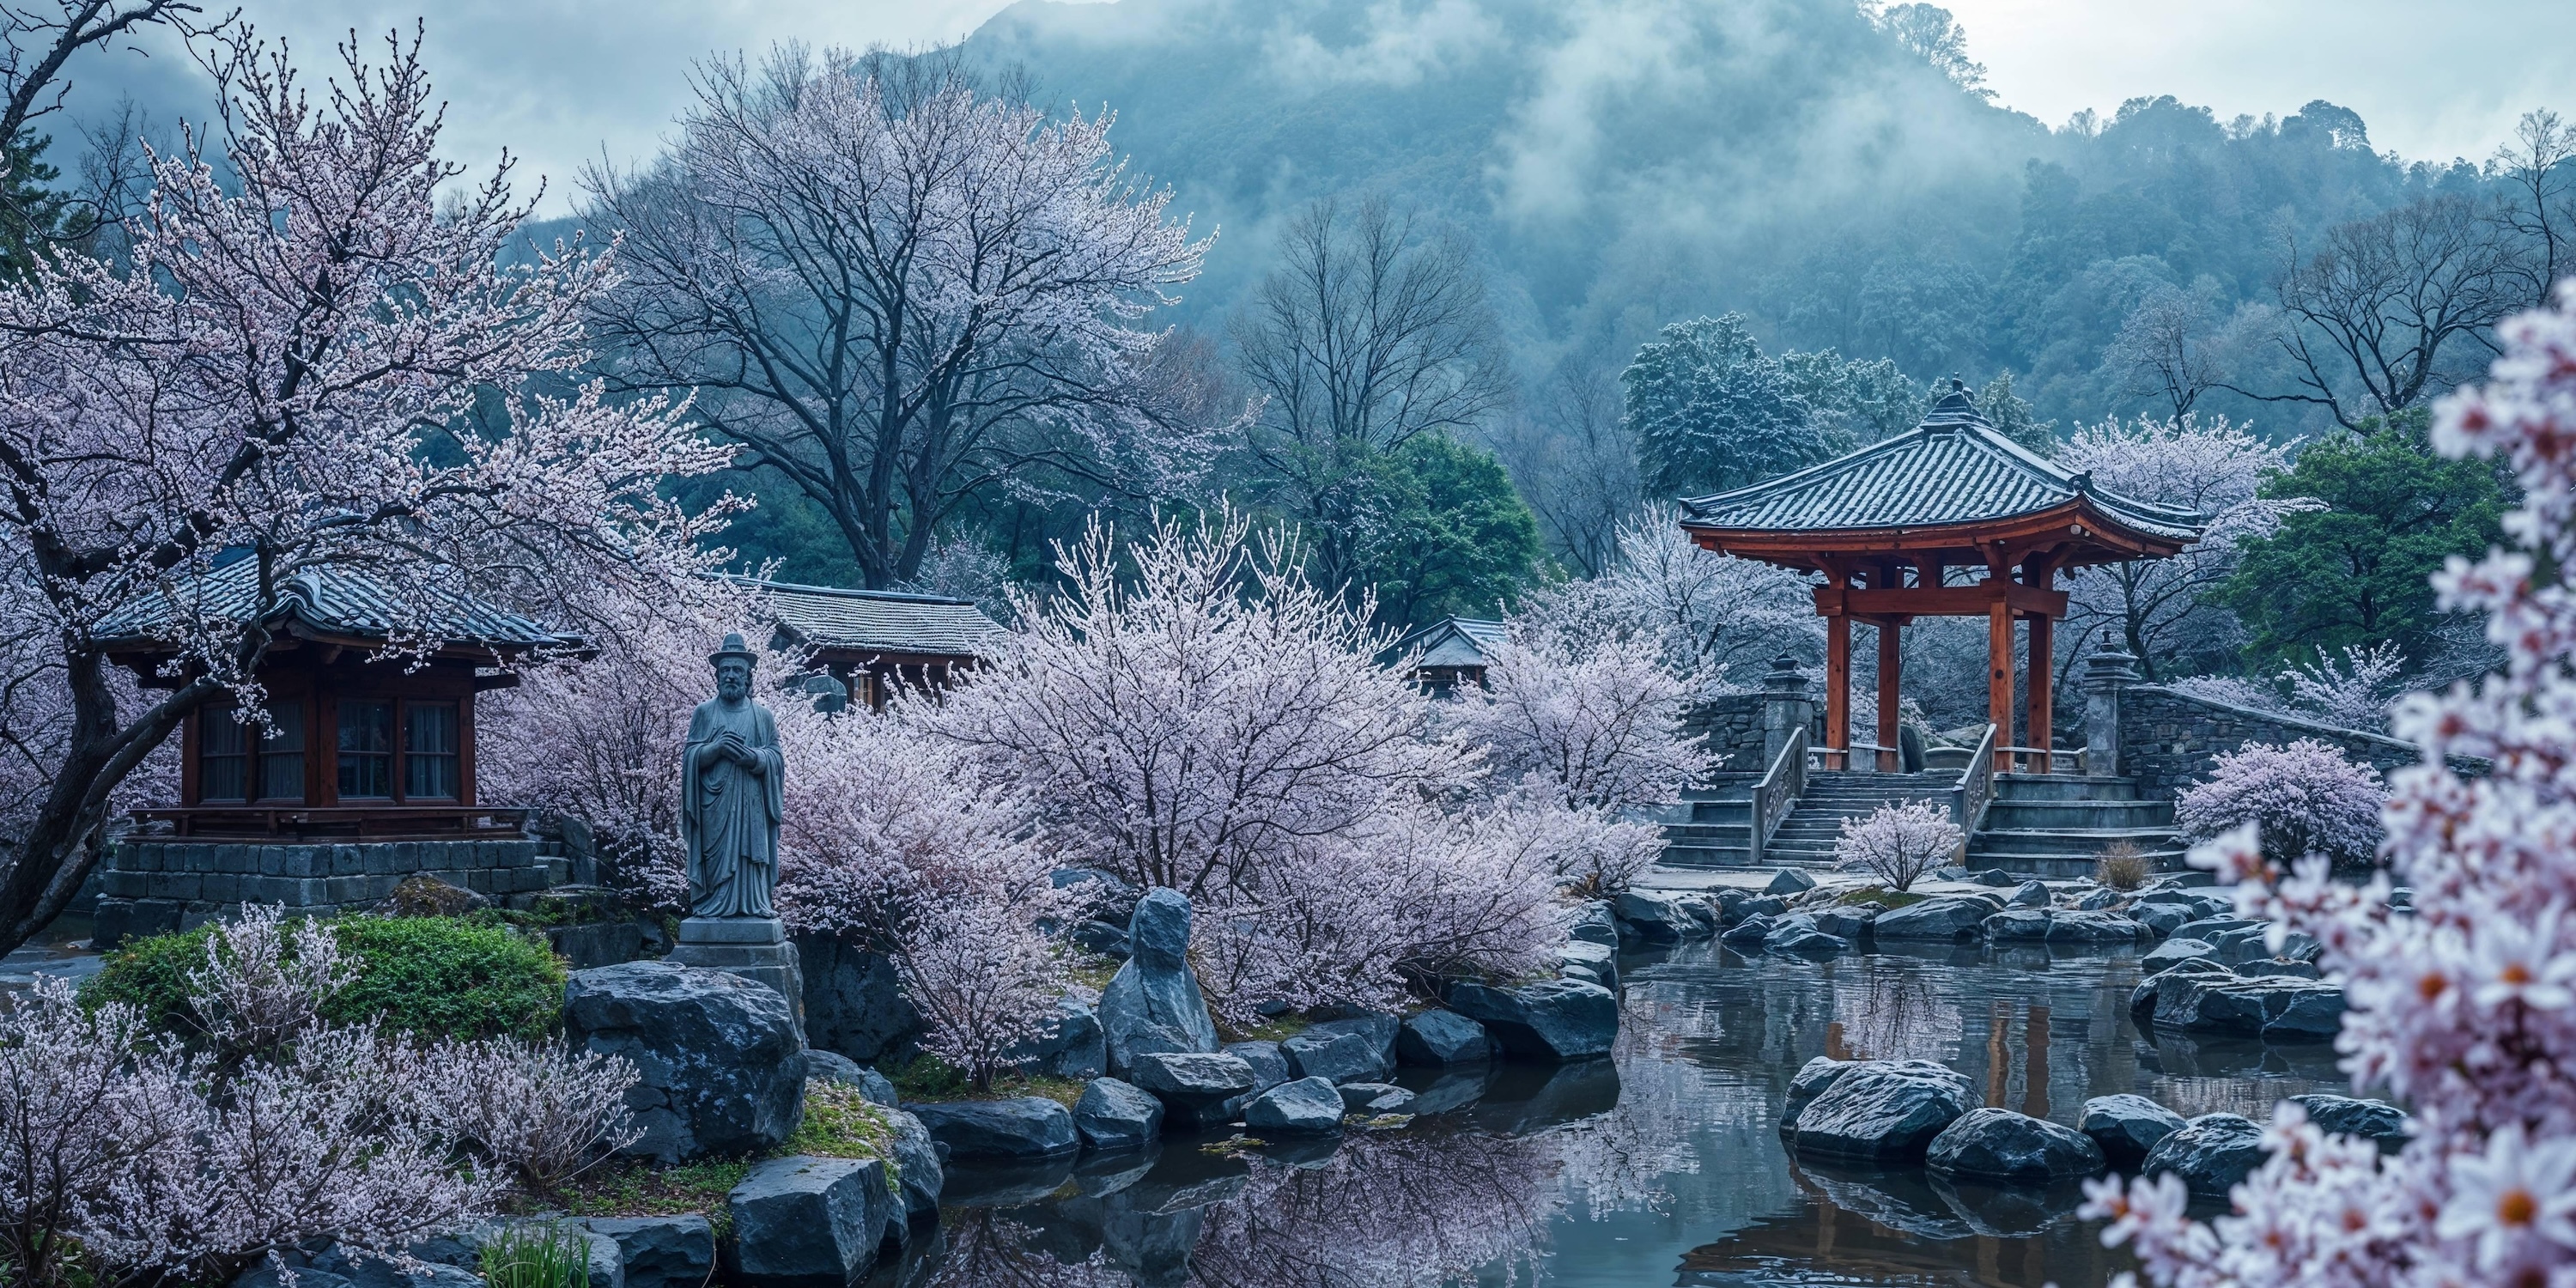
(1626, 163)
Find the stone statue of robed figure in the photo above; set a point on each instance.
(730, 804)
(730, 779)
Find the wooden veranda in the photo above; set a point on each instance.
(1949, 519)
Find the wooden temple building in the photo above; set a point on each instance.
(353, 748)
(1453, 651)
(1949, 519)
(874, 641)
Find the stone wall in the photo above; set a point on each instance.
(148, 887)
(2170, 740)
(1731, 726)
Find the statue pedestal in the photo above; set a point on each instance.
(755, 948)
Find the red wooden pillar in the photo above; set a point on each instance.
(1889, 662)
(1999, 679)
(2040, 686)
(1838, 691)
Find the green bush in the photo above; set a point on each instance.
(433, 976)
(531, 1255)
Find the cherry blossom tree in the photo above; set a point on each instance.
(2461, 1008)
(1595, 725)
(2354, 692)
(163, 1164)
(309, 363)
(901, 292)
(2157, 608)
(2302, 799)
(1705, 612)
(1899, 843)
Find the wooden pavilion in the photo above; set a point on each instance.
(353, 748)
(876, 641)
(1949, 519)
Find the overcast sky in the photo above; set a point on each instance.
(562, 82)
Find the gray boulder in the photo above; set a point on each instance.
(1557, 1019)
(2278, 1009)
(1811, 1080)
(916, 1162)
(2000, 1145)
(2098, 900)
(1995, 877)
(1024, 1128)
(1114, 1115)
(2023, 924)
(1789, 881)
(2208, 928)
(832, 1066)
(1070, 1046)
(2029, 894)
(1306, 1105)
(2173, 950)
(1880, 1111)
(2081, 927)
(2142, 999)
(2210, 1153)
(1800, 937)
(1850, 922)
(1595, 963)
(1269, 1065)
(1338, 1055)
(1439, 1038)
(1593, 923)
(1196, 1088)
(809, 1222)
(1940, 917)
(723, 1072)
(1656, 916)
(2126, 1127)
(1105, 938)
(1747, 935)
(1153, 1003)
(854, 1002)
(661, 1251)
(2277, 968)
(1374, 1098)
(2163, 919)
(2374, 1120)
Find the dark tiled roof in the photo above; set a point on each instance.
(1953, 468)
(325, 601)
(1451, 641)
(878, 621)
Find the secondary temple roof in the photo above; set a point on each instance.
(1451, 642)
(1951, 485)
(878, 621)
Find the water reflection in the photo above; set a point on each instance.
(1661, 1165)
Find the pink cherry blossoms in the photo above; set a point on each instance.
(2465, 1008)
(2302, 799)
(1899, 844)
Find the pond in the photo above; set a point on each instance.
(1659, 1166)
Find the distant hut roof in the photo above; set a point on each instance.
(1951, 485)
(327, 605)
(1450, 642)
(878, 621)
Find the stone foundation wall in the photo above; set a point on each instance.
(2170, 740)
(1731, 726)
(148, 887)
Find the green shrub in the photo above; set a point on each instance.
(433, 976)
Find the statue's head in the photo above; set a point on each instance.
(733, 668)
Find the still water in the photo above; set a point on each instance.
(1659, 1166)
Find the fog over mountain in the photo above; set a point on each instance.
(1624, 164)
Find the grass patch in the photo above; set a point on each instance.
(432, 976)
(1277, 1029)
(1883, 897)
(930, 1078)
(840, 1123)
(648, 1189)
(1095, 974)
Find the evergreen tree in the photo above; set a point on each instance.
(1711, 412)
(1444, 533)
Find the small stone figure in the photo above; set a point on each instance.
(730, 801)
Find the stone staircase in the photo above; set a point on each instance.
(2054, 825)
(1711, 828)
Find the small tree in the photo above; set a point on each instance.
(2353, 693)
(1592, 725)
(2303, 799)
(1900, 843)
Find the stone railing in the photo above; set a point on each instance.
(1976, 789)
(2167, 739)
(1777, 793)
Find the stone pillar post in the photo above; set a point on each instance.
(2105, 674)
(1786, 708)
